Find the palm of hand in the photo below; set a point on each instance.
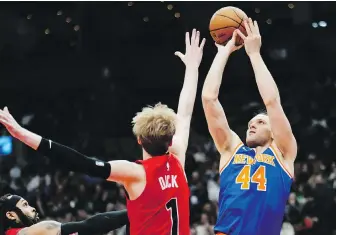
(194, 51)
(193, 56)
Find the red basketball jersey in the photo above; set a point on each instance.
(13, 231)
(163, 207)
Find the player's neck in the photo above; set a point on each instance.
(261, 149)
(146, 155)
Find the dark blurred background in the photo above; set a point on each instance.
(77, 72)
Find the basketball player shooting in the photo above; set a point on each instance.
(255, 178)
(17, 217)
(158, 193)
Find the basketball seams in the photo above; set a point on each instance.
(225, 17)
(228, 17)
(222, 28)
(237, 14)
(239, 24)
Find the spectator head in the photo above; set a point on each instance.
(207, 208)
(195, 176)
(319, 179)
(204, 219)
(292, 199)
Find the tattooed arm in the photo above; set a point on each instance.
(48, 227)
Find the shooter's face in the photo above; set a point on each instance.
(259, 131)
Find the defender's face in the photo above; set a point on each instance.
(27, 210)
(259, 131)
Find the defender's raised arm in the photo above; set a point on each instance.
(192, 60)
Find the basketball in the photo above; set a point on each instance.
(224, 22)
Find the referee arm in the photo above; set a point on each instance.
(120, 171)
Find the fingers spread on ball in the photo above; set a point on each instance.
(251, 26)
(248, 30)
(240, 34)
(235, 34)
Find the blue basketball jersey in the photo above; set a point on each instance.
(254, 189)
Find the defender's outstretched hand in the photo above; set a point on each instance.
(253, 41)
(9, 122)
(194, 51)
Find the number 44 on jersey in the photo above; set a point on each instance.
(259, 177)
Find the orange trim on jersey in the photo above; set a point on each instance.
(281, 163)
(221, 234)
(230, 159)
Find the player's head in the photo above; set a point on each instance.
(16, 212)
(154, 128)
(259, 131)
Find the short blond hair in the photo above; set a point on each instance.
(155, 127)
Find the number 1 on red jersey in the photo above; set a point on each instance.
(172, 207)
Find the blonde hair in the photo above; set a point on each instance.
(155, 126)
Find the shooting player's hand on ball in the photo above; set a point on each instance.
(253, 41)
(230, 46)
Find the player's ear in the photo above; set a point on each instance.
(138, 140)
(11, 215)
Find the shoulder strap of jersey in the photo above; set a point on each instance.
(179, 164)
(279, 159)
